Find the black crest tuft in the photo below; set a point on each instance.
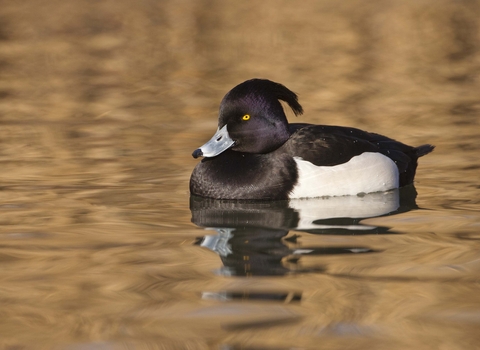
(264, 87)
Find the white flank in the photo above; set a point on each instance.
(366, 173)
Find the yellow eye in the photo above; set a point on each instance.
(246, 117)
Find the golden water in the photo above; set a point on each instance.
(101, 105)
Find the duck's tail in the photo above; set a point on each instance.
(423, 150)
(406, 176)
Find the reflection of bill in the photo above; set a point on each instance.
(219, 242)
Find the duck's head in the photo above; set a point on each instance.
(251, 119)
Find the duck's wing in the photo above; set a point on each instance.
(325, 145)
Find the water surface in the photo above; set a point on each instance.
(101, 105)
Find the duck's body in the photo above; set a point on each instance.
(256, 154)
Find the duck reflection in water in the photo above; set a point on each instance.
(252, 236)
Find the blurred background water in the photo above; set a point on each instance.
(102, 103)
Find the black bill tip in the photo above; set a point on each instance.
(197, 153)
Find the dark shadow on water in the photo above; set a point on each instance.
(251, 236)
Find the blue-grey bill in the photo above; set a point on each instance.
(220, 142)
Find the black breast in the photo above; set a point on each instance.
(235, 175)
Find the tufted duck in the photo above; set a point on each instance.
(257, 154)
